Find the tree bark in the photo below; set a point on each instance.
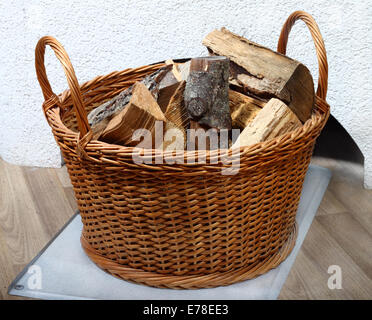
(273, 120)
(207, 92)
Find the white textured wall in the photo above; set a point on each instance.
(105, 35)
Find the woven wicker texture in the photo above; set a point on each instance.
(180, 225)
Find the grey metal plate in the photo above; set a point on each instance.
(63, 271)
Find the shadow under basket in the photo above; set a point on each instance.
(182, 225)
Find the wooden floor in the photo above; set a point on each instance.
(35, 203)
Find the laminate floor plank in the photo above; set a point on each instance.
(358, 203)
(20, 223)
(354, 239)
(63, 177)
(22, 233)
(330, 204)
(49, 197)
(307, 281)
(320, 251)
(345, 191)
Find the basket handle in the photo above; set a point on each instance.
(51, 99)
(319, 46)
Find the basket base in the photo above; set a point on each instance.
(157, 280)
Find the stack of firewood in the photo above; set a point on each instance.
(241, 85)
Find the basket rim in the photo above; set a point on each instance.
(319, 116)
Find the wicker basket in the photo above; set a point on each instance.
(180, 226)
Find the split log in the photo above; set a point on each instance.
(177, 120)
(274, 119)
(141, 113)
(165, 94)
(109, 109)
(170, 78)
(243, 109)
(174, 137)
(201, 137)
(183, 70)
(176, 111)
(264, 72)
(180, 70)
(207, 92)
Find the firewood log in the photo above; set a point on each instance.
(141, 113)
(264, 72)
(176, 110)
(183, 70)
(109, 109)
(273, 120)
(180, 70)
(207, 92)
(243, 109)
(177, 120)
(174, 137)
(201, 137)
(165, 94)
